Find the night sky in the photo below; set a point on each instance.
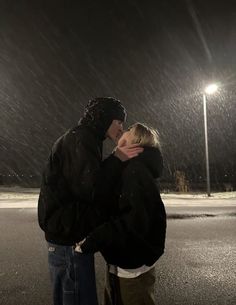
(155, 56)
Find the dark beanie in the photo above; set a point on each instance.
(101, 111)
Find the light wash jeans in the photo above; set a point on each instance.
(72, 275)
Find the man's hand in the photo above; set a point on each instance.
(127, 152)
(77, 246)
(78, 249)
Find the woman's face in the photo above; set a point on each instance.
(126, 139)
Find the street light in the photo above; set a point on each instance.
(210, 89)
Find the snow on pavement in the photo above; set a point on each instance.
(16, 197)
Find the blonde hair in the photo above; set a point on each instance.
(144, 135)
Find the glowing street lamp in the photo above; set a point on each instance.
(210, 89)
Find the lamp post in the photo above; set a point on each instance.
(208, 91)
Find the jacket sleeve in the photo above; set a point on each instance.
(70, 177)
(90, 178)
(132, 220)
(67, 180)
(107, 180)
(93, 182)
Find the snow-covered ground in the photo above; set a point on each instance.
(16, 197)
(200, 199)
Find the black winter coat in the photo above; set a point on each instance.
(74, 186)
(136, 236)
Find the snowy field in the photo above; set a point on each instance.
(16, 197)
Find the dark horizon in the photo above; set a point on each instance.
(156, 57)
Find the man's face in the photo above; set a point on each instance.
(126, 139)
(115, 131)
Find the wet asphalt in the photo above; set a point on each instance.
(198, 266)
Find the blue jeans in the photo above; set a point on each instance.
(72, 275)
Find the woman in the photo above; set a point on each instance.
(134, 237)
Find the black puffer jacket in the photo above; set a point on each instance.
(76, 183)
(73, 180)
(136, 236)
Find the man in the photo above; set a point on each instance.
(73, 194)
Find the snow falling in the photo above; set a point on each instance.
(155, 58)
